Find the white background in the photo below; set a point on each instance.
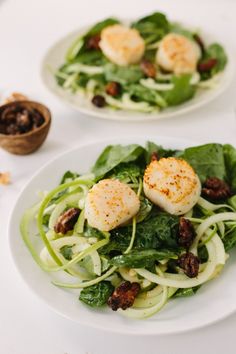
(27, 29)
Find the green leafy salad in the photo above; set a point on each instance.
(146, 225)
(146, 66)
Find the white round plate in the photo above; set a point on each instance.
(212, 302)
(55, 57)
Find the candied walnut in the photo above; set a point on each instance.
(66, 221)
(23, 121)
(4, 178)
(12, 129)
(37, 118)
(8, 115)
(206, 65)
(2, 128)
(99, 101)
(148, 68)
(189, 263)
(186, 233)
(19, 119)
(113, 88)
(154, 156)
(15, 96)
(93, 42)
(123, 296)
(216, 189)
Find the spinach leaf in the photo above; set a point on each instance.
(123, 74)
(229, 240)
(150, 55)
(161, 152)
(157, 232)
(46, 218)
(207, 160)
(203, 254)
(113, 155)
(230, 164)
(98, 27)
(144, 210)
(214, 51)
(96, 295)
(141, 259)
(187, 291)
(141, 93)
(79, 45)
(68, 177)
(153, 27)
(179, 29)
(95, 58)
(83, 79)
(181, 92)
(127, 172)
(67, 252)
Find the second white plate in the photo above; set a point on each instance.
(55, 57)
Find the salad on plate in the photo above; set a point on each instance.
(146, 66)
(145, 226)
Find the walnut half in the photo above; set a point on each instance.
(66, 221)
(123, 296)
(4, 178)
(15, 96)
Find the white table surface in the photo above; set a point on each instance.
(27, 29)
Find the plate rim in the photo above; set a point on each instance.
(84, 322)
(129, 116)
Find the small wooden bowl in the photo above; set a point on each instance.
(26, 143)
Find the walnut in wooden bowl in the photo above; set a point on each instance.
(24, 126)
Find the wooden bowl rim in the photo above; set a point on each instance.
(47, 119)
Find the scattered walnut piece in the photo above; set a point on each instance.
(148, 68)
(93, 42)
(15, 96)
(4, 178)
(123, 296)
(190, 264)
(216, 189)
(66, 221)
(113, 88)
(186, 233)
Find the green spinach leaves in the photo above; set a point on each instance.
(207, 160)
(141, 259)
(113, 155)
(156, 232)
(96, 295)
(181, 92)
(153, 27)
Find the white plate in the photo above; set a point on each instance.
(212, 302)
(55, 57)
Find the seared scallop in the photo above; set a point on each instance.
(172, 184)
(122, 45)
(178, 54)
(110, 203)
